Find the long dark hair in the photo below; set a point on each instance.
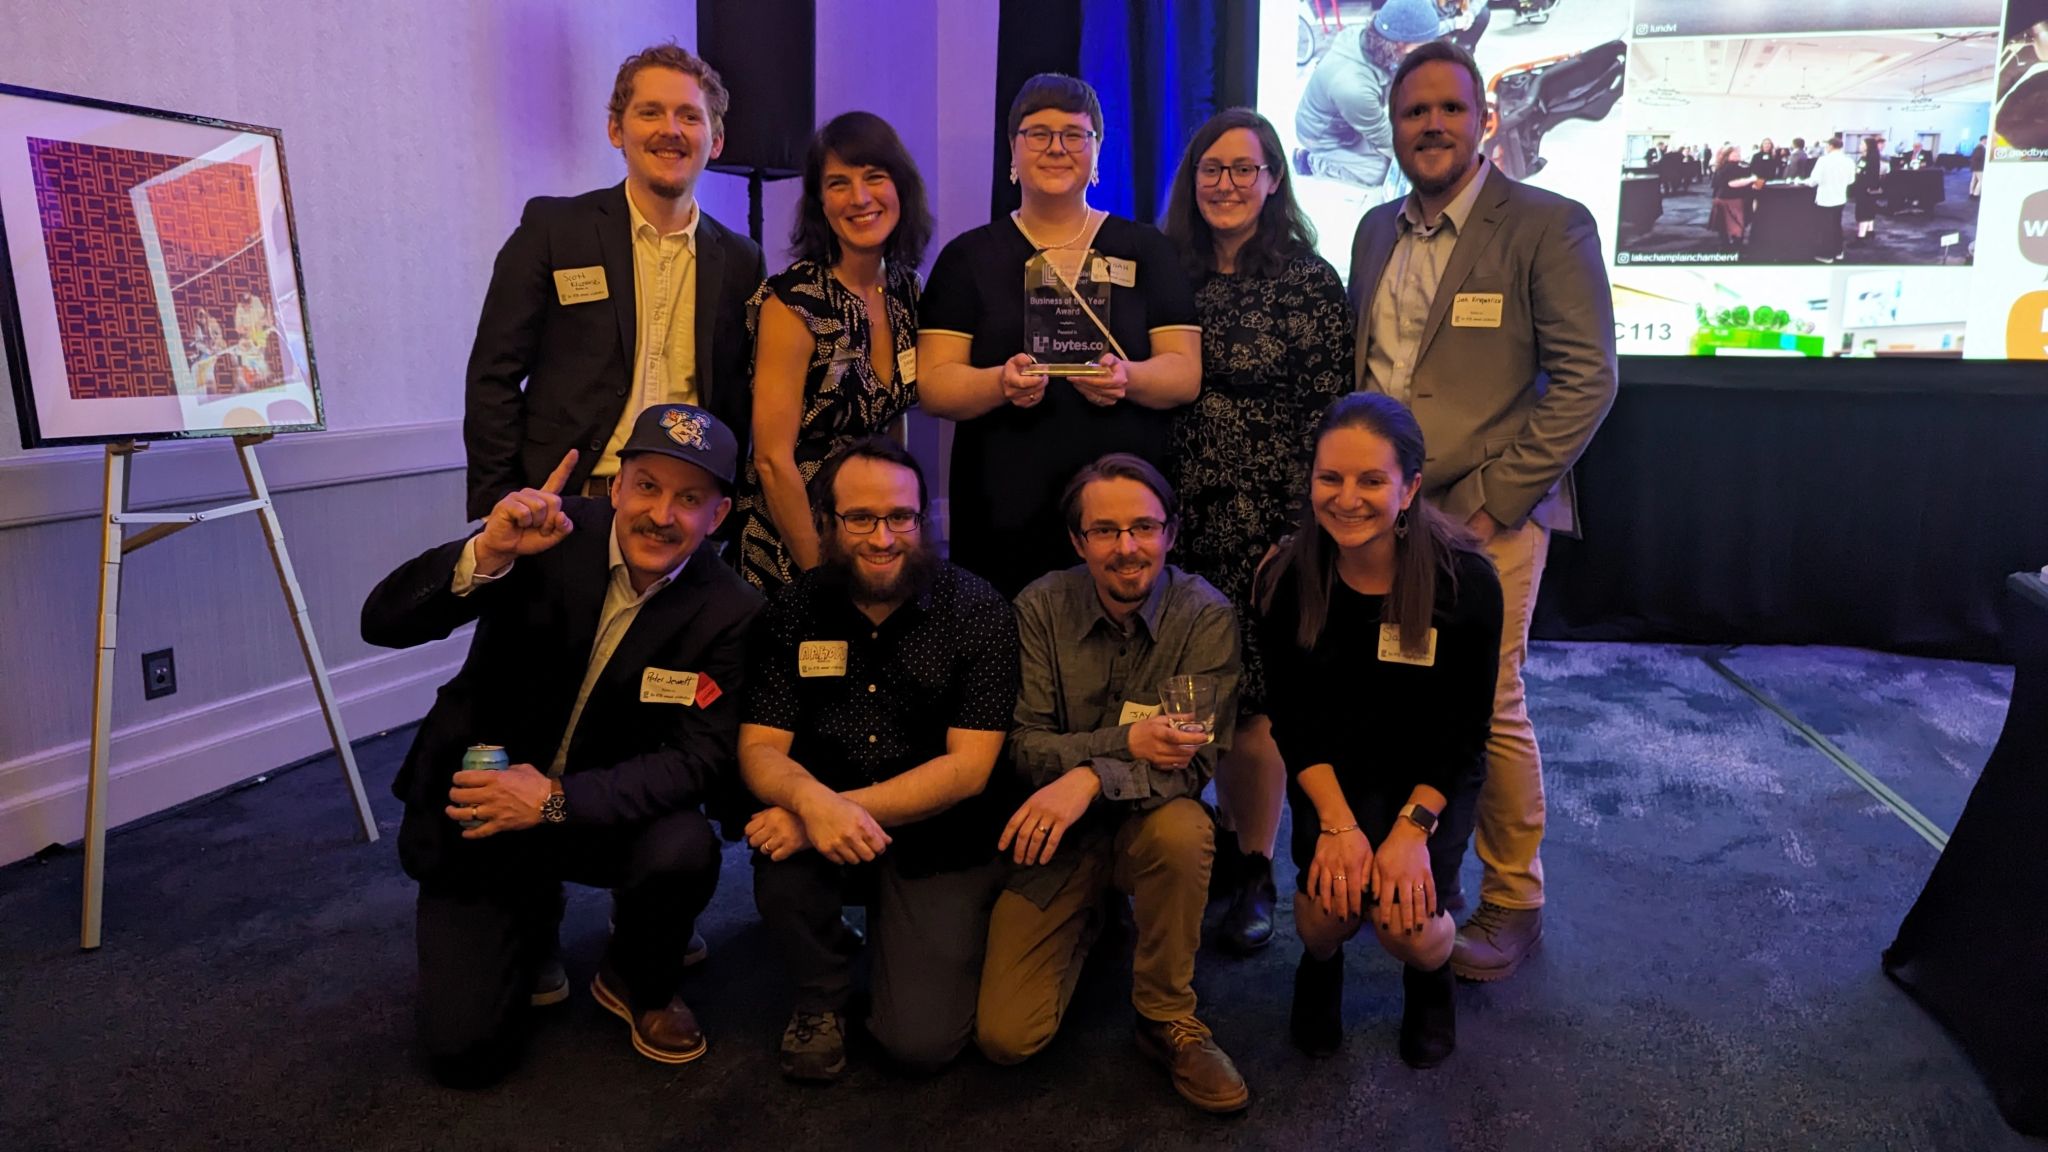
(861, 139)
(1424, 554)
(1283, 233)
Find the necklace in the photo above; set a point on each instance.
(1087, 218)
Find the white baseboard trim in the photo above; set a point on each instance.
(176, 758)
(67, 483)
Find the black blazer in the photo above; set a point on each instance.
(576, 360)
(629, 761)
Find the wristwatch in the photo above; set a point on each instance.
(555, 809)
(1421, 817)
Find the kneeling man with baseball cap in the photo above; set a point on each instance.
(606, 664)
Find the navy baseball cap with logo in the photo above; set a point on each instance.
(688, 433)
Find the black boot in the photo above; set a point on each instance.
(1317, 1021)
(1248, 924)
(1226, 866)
(1429, 1019)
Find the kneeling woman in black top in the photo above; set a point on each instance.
(1380, 621)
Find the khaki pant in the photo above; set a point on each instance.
(1508, 830)
(1161, 860)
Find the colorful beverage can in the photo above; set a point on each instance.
(486, 758)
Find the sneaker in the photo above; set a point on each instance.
(1202, 1074)
(1495, 941)
(1429, 1020)
(550, 983)
(669, 1034)
(1248, 924)
(814, 1047)
(1317, 1019)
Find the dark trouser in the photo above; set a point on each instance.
(927, 933)
(1831, 231)
(481, 941)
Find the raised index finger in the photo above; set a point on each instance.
(559, 478)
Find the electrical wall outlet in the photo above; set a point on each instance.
(159, 674)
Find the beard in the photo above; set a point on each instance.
(838, 569)
(1428, 186)
(1134, 587)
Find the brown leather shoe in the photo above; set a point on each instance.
(1202, 1074)
(669, 1034)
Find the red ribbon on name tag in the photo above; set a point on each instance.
(707, 690)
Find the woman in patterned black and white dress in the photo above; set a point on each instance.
(1276, 348)
(836, 334)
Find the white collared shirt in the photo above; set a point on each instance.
(665, 324)
(1401, 303)
(621, 608)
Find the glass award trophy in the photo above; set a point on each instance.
(1066, 313)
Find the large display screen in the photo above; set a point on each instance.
(1703, 138)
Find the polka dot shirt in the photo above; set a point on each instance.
(945, 660)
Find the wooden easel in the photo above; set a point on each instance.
(114, 544)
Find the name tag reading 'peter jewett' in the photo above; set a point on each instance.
(1059, 331)
(661, 686)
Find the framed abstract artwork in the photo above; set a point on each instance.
(149, 275)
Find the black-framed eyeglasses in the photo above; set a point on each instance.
(1038, 138)
(863, 523)
(1211, 174)
(1143, 531)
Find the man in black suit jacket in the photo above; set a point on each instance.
(607, 663)
(606, 303)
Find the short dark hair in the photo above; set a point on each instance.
(672, 56)
(824, 502)
(1448, 52)
(1117, 466)
(1058, 91)
(1283, 232)
(861, 139)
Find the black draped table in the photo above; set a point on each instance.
(1786, 226)
(1974, 949)
(1915, 189)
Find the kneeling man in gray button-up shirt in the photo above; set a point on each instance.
(1117, 781)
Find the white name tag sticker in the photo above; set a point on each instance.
(1390, 648)
(1120, 272)
(1134, 712)
(581, 285)
(1476, 310)
(906, 366)
(816, 658)
(661, 686)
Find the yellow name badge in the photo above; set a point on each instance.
(1476, 310)
(661, 686)
(816, 658)
(1134, 712)
(581, 285)
(906, 366)
(1118, 271)
(1390, 648)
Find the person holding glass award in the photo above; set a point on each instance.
(1380, 621)
(1053, 336)
(1128, 665)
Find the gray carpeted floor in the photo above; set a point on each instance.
(1720, 892)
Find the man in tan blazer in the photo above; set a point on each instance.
(1483, 304)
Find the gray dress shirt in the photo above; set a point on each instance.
(1080, 670)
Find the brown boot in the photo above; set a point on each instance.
(669, 1034)
(1202, 1074)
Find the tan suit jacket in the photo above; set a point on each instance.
(1505, 409)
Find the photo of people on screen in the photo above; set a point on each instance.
(254, 359)
(2021, 122)
(1753, 151)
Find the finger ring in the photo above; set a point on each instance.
(472, 811)
(1340, 875)
(1044, 828)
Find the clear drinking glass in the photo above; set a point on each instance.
(1190, 702)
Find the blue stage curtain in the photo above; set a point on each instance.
(1160, 67)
